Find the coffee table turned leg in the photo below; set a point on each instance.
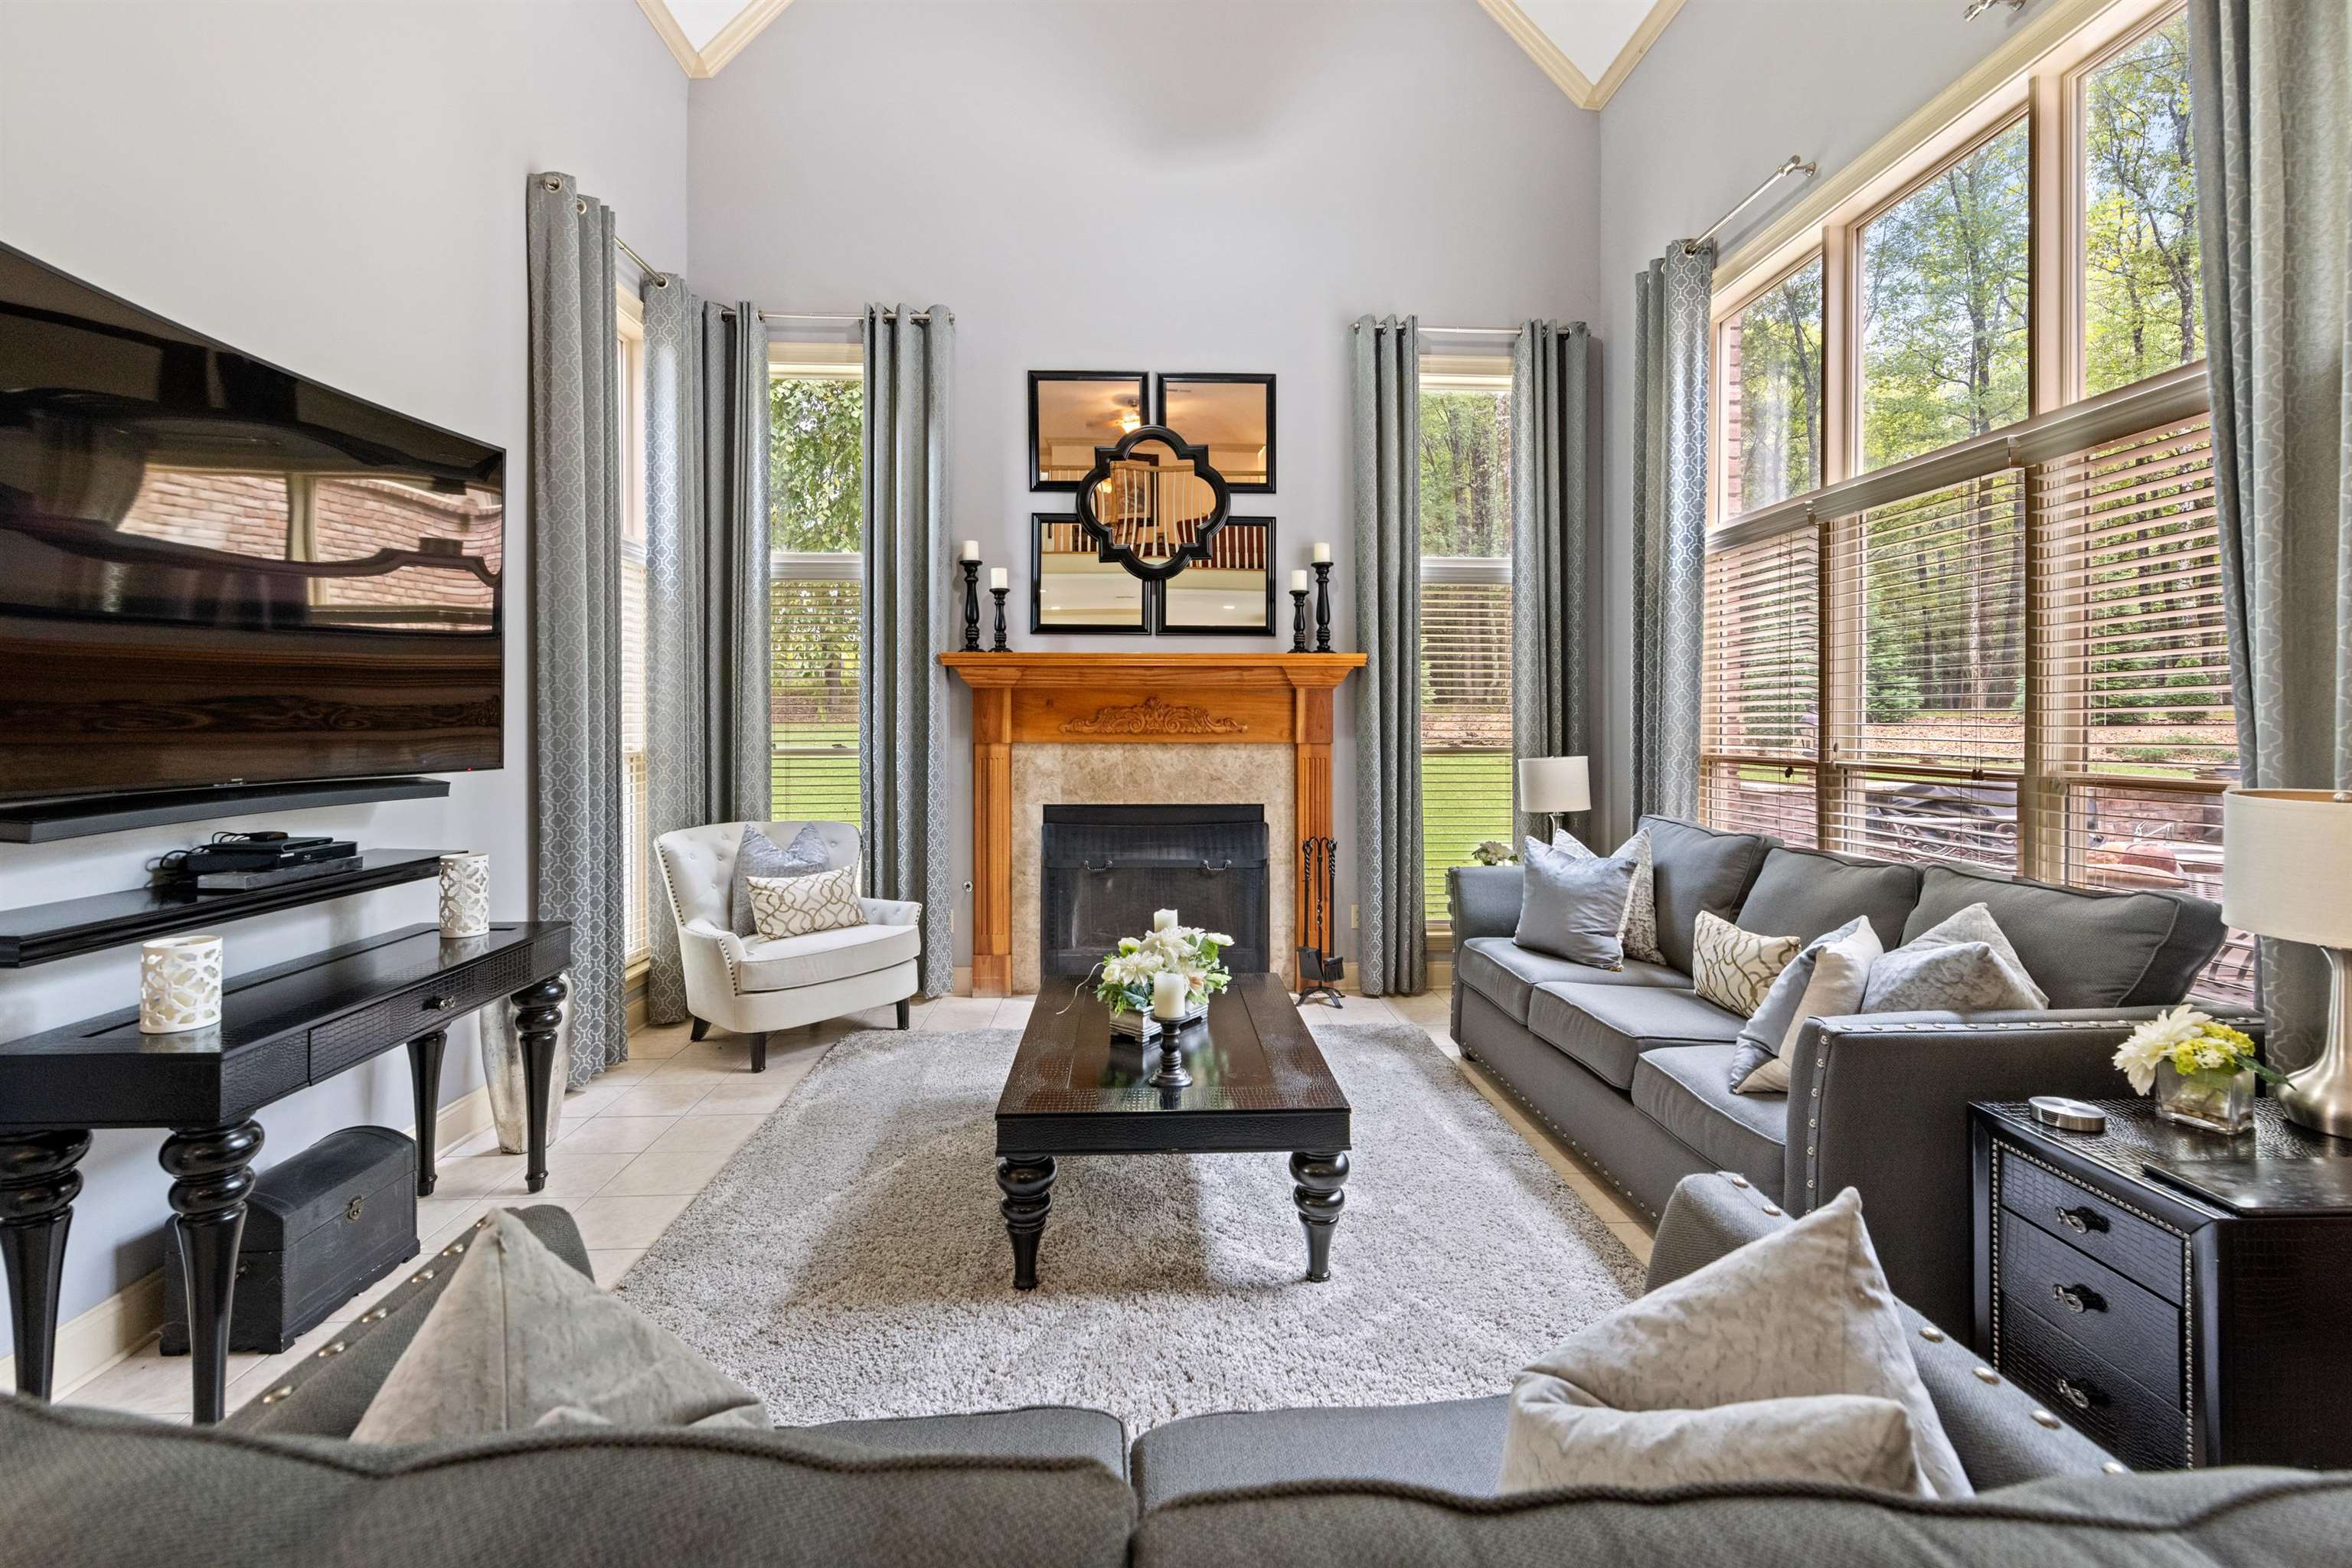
(1319, 1199)
(1028, 1184)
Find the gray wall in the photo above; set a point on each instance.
(1730, 89)
(1200, 185)
(337, 188)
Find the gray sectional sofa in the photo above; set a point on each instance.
(1633, 1067)
(280, 1486)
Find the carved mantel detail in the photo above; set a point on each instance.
(1153, 717)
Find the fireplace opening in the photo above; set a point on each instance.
(1108, 868)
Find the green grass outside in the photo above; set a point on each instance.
(1465, 798)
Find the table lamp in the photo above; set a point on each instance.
(1554, 786)
(2288, 874)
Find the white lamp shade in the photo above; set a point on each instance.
(2288, 866)
(1554, 783)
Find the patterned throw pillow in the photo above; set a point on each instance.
(1735, 968)
(798, 906)
(1639, 933)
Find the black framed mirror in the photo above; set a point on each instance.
(1153, 502)
(1073, 589)
(1073, 412)
(1231, 594)
(1231, 415)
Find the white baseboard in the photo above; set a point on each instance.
(95, 1339)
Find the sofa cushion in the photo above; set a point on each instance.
(1454, 1446)
(1686, 1089)
(789, 963)
(1805, 892)
(1608, 1027)
(1694, 868)
(1032, 1432)
(2085, 949)
(86, 1486)
(1507, 974)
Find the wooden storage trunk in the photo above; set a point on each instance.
(319, 1228)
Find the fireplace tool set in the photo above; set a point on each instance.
(1319, 969)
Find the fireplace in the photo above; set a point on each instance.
(1106, 868)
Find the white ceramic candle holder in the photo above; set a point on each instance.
(466, 894)
(179, 984)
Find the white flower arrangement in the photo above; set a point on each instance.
(1124, 978)
(1493, 852)
(2191, 1044)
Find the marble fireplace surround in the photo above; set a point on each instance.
(1129, 729)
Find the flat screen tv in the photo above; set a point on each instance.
(214, 572)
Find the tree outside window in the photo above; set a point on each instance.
(2143, 310)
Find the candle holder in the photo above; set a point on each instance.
(1322, 606)
(1171, 1073)
(998, 594)
(1298, 620)
(971, 607)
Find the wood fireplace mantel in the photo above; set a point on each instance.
(1087, 699)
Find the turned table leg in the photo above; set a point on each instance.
(212, 1171)
(1319, 1199)
(425, 1076)
(37, 1187)
(1027, 1181)
(538, 1014)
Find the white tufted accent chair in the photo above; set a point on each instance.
(754, 986)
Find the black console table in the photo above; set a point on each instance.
(281, 1029)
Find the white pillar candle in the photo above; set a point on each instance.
(997, 579)
(1163, 920)
(1322, 554)
(179, 984)
(1298, 581)
(1167, 995)
(971, 550)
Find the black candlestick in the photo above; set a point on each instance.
(1171, 1073)
(998, 594)
(1322, 606)
(1298, 620)
(972, 606)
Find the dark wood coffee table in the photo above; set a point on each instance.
(1258, 1086)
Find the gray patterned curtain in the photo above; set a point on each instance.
(2269, 99)
(902, 692)
(575, 626)
(706, 579)
(1550, 511)
(1392, 941)
(1669, 525)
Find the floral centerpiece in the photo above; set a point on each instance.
(1124, 979)
(1493, 852)
(2201, 1069)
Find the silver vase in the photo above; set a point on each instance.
(502, 1072)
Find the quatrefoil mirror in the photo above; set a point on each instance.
(1152, 503)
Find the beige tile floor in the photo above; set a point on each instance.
(638, 1145)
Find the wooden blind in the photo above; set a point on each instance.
(1466, 726)
(814, 634)
(637, 856)
(1760, 682)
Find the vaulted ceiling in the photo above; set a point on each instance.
(1588, 46)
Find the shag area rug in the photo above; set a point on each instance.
(850, 1261)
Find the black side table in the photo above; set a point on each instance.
(2176, 1325)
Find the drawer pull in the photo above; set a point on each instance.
(2081, 1396)
(2081, 1220)
(439, 1004)
(2078, 1298)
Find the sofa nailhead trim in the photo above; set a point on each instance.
(2044, 1418)
(1987, 1374)
(2115, 1468)
(1738, 1181)
(1931, 1333)
(275, 1395)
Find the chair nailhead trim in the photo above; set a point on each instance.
(1771, 1208)
(1931, 1333)
(1987, 1374)
(338, 1348)
(275, 1395)
(1738, 1181)
(2115, 1468)
(2044, 1418)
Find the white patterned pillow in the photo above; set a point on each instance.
(796, 906)
(1638, 933)
(1735, 968)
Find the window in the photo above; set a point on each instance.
(637, 861)
(816, 405)
(1465, 614)
(1979, 619)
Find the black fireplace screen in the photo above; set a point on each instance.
(1109, 867)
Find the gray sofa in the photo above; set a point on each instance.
(1633, 1067)
(279, 1485)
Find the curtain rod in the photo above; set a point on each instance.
(1457, 332)
(1796, 164)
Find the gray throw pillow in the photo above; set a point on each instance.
(759, 856)
(1574, 907)
(1825, 979)
(1963, 965)
(520, 1335)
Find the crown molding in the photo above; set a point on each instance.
(724, 45)
(1548, 57)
